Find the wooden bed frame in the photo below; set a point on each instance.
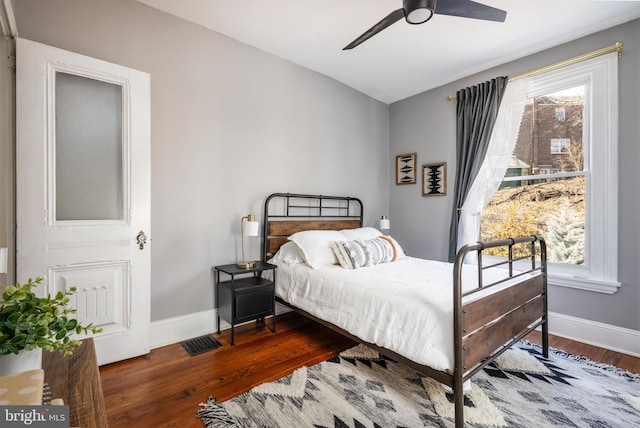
(483, 328)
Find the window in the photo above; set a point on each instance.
(547, 170)
(566, 188)
(559, 145)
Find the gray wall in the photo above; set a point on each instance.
(425, 124)
(229, 125)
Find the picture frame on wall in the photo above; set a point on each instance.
(406, 169)
(434, 179)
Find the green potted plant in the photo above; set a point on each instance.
(31, 323)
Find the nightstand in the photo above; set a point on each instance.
(244, 298)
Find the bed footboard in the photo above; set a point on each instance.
(487, 326)
(496, 319)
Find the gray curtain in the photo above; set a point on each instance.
(477, 109)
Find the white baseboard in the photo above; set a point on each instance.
(594, 333)
(174, 330)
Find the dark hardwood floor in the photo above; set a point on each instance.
(164, 388)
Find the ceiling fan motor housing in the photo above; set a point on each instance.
(418, 11)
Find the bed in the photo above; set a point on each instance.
(446, 321)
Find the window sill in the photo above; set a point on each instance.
(565, 276)
(587, 284)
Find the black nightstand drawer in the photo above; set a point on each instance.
(254, 303)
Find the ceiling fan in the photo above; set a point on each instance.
(419, 11)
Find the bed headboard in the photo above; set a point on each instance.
(287, 213)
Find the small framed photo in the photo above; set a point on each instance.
(434, 179)
(406, 169)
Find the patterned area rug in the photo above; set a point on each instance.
(362, 389)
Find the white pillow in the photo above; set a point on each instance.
(288, 253)
(361, 233)
(314, 246)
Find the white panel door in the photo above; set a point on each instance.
(83, 189)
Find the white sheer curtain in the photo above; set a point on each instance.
(501, 145)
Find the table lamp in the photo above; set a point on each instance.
(248, 228)
(385, 223)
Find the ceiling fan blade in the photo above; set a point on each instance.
(470, 9)
(388, 20)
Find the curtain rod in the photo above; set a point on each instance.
(613, 48)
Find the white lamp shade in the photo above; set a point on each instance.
(251, 228)
(385, 223)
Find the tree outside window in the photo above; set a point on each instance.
(543, 191)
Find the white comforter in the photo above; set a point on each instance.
(405, 306)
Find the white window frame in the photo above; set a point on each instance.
(546, 170)
(600, 139)
(549, 171)
(560, 144)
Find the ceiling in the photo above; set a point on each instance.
(404, 59)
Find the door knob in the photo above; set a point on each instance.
(141, 239)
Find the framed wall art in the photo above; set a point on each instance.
(434, 179)
(406, 169)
